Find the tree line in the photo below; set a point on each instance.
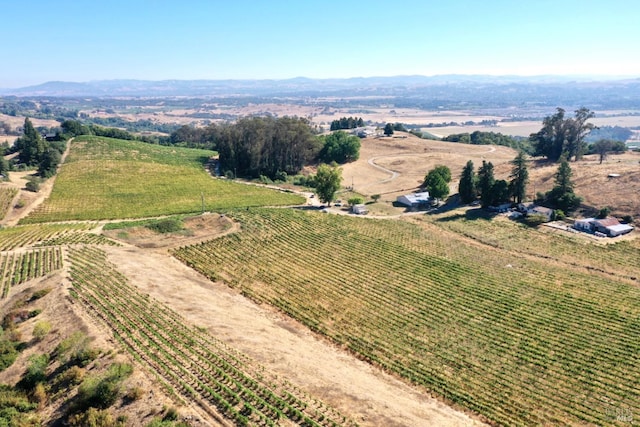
(491, 138)
(347, 123)
(35, 151)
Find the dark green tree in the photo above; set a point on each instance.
(486, 181)
(467, 186)
(340, 147)
(561, 195)
(327, 182)
(560, 135)
(4, 166)
(500, 192)
(388, 129)
(31, 145)
(519, 177)
(49, 163)
(437, 182)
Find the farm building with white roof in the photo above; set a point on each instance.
(414, 200)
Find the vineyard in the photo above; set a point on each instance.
(516, 338)
(17, 268)
(190, 362)
(620, 260)
(15, 237)
(105, 178)
(6, 196)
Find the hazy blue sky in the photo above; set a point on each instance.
(45, 40)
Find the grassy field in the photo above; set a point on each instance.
(508, 334)
(105, 178)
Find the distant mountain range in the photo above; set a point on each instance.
(383, 86)
(436, 92)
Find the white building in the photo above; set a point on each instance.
(359, 209)
(414, 200)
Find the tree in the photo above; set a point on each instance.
(327, 182)
(560, 136)
(355, 201)
(388, 129)
(485, 183)
(437, 182)
(375, 197)
(519, 177)
(561, 195)
(4, 166)
(340, 147)
(467, 185)
(603, 146)
(31, 145)
(500, 192)
(49, 163)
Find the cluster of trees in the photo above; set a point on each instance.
(257, 146)
(488, 138)
(562, 136)
(339, 147)
(390, 128)
(347, 123)
(603, 147)
(36, 151)
(491, 191)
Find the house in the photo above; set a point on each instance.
(541, 210)
(611, 227)
(585, 224)
(359, 209)
(414, 200)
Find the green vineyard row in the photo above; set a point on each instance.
(518, 340)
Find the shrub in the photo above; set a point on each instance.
(169, 225)
(135, 393)
(41, 329)
(535, 220)
(8, 353)
(36, 372)
(171, 414)
(39, 395)
(95, 418)
(33, 185)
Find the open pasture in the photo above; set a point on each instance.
(517, 339)
(107, 178)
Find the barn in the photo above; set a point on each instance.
(414, 200)
(611, 227)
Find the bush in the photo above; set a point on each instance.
(169, 225)
(8, 353)
(535, 220)
(95, 418)
(33, 185)
(36, 372)
(41, 329)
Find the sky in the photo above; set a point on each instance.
(80, 41)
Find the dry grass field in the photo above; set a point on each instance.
(393, 166)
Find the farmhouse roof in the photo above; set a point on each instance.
(416, 198)
(607, 222)
(620, 228)
(542, 210)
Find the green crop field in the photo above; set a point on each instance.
(509, 334)
(6, 196)
(105, 178)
